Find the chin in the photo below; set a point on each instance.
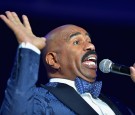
(91, 74)
(90, 78)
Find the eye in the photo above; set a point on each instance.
(76, 42)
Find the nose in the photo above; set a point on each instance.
(89, 46)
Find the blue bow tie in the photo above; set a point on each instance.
(92, 88)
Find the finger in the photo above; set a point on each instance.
(132, 69)
(16, 18)
(7, 21)
(26, 22)
(11, 17)
(134, 65)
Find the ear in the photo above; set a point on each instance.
(51, 59)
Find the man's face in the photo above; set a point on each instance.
(76, 56)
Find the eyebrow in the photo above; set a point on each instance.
(76, 34)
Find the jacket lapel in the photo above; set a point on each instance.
(111, 104)
(71, 98)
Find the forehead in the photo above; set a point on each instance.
(71, 30)
(65, 32)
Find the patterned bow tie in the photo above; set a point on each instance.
(92, 88)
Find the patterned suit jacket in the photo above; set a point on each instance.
(22, 97)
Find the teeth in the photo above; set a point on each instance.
(91, 58)
(90, 63)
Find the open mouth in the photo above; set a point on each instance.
(90, 60)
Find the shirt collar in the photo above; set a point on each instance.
(65, 81)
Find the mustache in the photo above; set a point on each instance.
(89, 53)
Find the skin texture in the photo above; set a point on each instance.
(64, 49)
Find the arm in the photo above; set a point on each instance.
(19, 93)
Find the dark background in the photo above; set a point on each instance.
(111, 25)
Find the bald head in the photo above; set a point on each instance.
(54, 37)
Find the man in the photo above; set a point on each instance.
(70, 60)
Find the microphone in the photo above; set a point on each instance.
(107, 66)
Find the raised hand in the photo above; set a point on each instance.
(132, 69)
(22, 31)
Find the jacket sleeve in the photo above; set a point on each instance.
(20, 86)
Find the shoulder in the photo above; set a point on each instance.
(43, 93)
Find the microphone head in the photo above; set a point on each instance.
(105, 65)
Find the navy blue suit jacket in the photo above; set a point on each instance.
(22, 97)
